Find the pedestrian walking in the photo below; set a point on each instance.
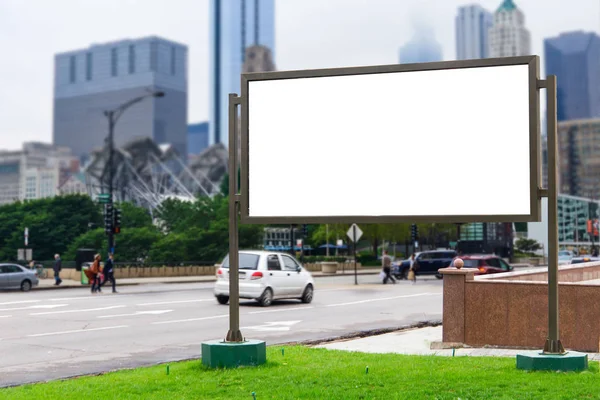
(57, 267)
(412, 271)
(386, 263)
(94, 274)
(109, 272)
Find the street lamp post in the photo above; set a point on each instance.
(113, 116)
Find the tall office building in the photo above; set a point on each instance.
(508, 37)
(34, 172)
(574, 58)
(472, 25)
(235, 25)
(579, 157)
(421, 48)
(104, 76)
(197, 138)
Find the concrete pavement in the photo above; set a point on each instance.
(420, 341)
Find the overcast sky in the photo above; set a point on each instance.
(309, 34)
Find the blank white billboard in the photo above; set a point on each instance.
(451, 142)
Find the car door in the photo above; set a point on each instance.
(296, 280)
(493, 265)
(277, 277)
(15, 275)
(3, 277)
(425, 261)
(505, 266)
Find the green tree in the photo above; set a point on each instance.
(526, 245)
(53, 224)
(133, 216)
(95, 239)
(135, 244)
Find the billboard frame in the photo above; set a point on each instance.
(534, 141)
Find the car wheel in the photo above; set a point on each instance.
(307, 296)
(26, 286)
(267, 298)
(439, 276)
(222, 299)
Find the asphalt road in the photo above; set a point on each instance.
(47, 335)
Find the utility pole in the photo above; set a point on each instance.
(113, 116)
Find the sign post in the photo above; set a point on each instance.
(354, 233)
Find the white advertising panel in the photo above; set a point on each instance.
(447, 142)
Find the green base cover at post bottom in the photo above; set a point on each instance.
(538, 361)
(221, 354)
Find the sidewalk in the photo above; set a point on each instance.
(418, 342)
(48, 284)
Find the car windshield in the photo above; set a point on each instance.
(471, 263)
(247, 261)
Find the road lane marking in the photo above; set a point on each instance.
(273, 326)
(76, 311)
(78, 331)
(156, 312)
(35, 307)
(19, 302)
(280, 310)
(5, 316)
(174, 302)
(86, 297)
(383, 299)
(190, 320)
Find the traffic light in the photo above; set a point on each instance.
(305, 230)
(117, 221)
(108, 218)
(414, 232)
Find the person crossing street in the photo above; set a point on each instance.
(109, 272)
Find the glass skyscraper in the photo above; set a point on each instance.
(574, 57)
(472, 25)
(234, 26)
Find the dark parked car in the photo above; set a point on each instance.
(428, 263)
(584, 259)
(486, 264)
(13, 276)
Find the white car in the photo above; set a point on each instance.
(565, 257)
(265, 276)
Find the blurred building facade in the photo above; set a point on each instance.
(574, 57)
(104, 76)
(579, 157)
(508, 37)
(34, 172)
(421, 48)
(472, 29)
(197, 138)
(234, 26)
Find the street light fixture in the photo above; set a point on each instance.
(113, 116)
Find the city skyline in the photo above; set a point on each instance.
(374, 34)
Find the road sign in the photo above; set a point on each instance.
(299, 242)
(104, 198)
(21, 254)
(340, 242)
(350, 233)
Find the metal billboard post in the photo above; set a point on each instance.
(234, 334)
(553, 344)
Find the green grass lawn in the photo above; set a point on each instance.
(305, 373)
